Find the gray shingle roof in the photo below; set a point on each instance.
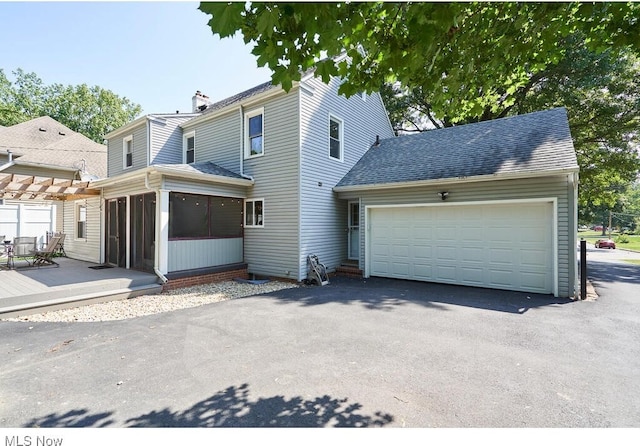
(239, 97)
(205, 167)
(532, 143)
(44, 140)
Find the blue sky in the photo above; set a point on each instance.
(156, 54)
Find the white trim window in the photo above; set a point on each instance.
(127, 152)
(254, 213)
(189, 148)
(81, 221)
(254, 133)
(336, 138)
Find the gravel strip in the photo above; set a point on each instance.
(152, 304)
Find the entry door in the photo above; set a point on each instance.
(354, 231)
(116, 232)
(143, 230)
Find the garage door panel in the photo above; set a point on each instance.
(498, 246)
(400, 251)
(400, 269)
(446, 253)
(422, 252)
(472, 253)
(534, 258)
(446, 273)
(472, 276)
(422, 272)
(501, 256)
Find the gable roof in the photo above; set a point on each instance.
(238, 97)
(46, 142)
(525, 145)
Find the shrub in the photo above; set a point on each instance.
(622, 238)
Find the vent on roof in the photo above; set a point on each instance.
(42, 129)
(61, 133)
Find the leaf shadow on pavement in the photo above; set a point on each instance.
(232, 407)
(386, 294)
(609, 272)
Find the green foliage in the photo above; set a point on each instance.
(461, 51)
(92, 111)
(448, 63)
(622, 238)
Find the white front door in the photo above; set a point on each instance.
(354, 231)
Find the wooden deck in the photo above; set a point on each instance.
(28, 290)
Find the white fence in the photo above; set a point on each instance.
(27, 220)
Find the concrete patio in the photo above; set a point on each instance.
(26, 290)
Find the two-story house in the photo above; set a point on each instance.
(244, 184)
(257, 182)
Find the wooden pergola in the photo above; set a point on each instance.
(26, 187)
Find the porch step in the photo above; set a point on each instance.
(349, 269)
(47, 302)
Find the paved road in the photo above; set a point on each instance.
(353, 353)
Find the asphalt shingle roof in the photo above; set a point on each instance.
(531, 143)
(44, 140)
(205, 167)
(239, 97)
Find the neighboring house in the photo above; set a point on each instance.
(245, 184)
(45, 170)
(492, 204)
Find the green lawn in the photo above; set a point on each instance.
(592, 236)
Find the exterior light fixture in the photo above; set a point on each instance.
(443, 195)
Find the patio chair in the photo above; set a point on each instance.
(45, 257)
(23, 248)
(60, 248)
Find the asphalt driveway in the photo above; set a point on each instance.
(353, 353)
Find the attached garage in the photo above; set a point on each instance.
(494, 245)
(491, 204)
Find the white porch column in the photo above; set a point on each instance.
(162, 230)
(127, 230)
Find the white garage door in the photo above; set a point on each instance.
(504, 246)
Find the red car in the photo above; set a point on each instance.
(606, 244)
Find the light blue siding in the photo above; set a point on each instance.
(219, 140)
(272, 250)
(166, 139)
(115, 157)
(192, 254)
(323, 215)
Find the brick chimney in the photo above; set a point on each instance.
(199, 102)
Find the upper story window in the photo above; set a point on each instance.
(189, 148)
(254, 133)
(127, 152)
(336, 138)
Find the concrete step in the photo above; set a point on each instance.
(47, 302)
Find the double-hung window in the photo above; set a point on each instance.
(127, 152)
(189, 147)
(81, 221)
(336, 142)
(254, 213)
(254, 133)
